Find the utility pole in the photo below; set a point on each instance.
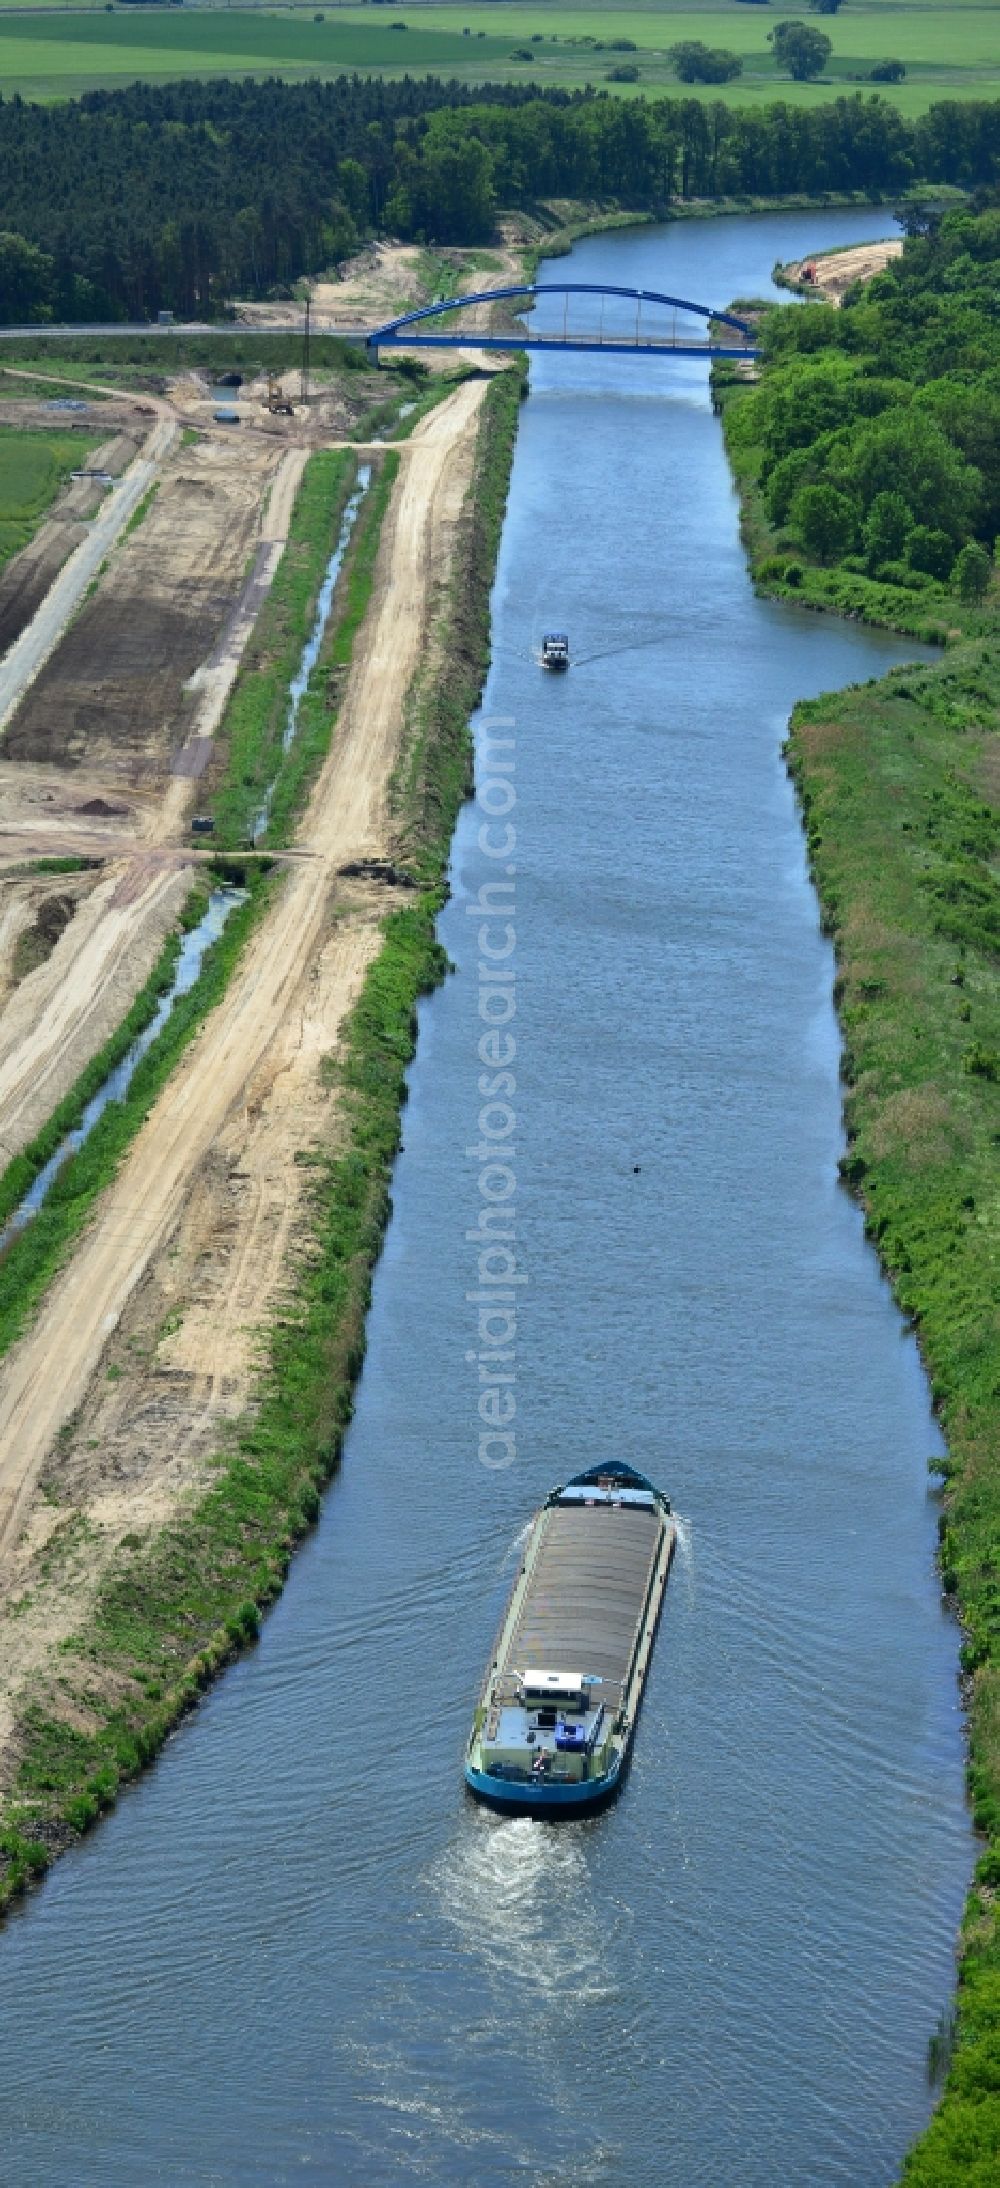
(305, 352)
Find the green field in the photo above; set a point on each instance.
(949, 51)
(33, 467)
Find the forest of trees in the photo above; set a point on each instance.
(118, 204)
(879, 424)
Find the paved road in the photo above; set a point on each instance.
(61, 332)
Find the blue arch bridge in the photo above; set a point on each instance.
(640, 321)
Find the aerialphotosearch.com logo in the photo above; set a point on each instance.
(498, 1276)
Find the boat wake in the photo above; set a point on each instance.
(519, 1895)
(685, 1542)
(514, 1548)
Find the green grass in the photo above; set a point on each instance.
(33, 468)
(900, 790)
(67, 865)
(434, 772)
(320, 702)
(16, 390)
(899, 783)
(113, 354)
(250, 738)
(141, 510)
(177, 1607)
(949, 51)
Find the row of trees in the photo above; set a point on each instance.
(122, 203)
(798, 47)
(880, 423)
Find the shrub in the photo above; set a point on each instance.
(971, 574)
(825, 520)
(626, 74)
(900, 573)
(887, 72)
(930, 550)
(796, 469)
(802, 50)
(886, 527)
(981, 1062)
(696, 63)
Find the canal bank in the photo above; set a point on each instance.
(99, 1662)
(344, 1969)
(898, 788)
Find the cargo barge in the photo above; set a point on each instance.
(554, 1726)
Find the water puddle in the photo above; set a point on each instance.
(115, 1087)
(310, 652)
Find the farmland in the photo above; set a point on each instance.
(949, 52)
(33, 467)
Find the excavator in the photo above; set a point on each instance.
(277, 402)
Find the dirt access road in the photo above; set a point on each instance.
(47, 1375)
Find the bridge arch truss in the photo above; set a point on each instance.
(725, 335)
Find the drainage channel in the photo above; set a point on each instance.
(115, 1087)
(310, 652)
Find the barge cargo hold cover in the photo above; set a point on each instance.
(555, 1722)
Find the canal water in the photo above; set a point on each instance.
(297, 1952)
(311, 650)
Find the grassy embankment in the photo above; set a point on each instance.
(899, 783)
(946, 50)
(120, 356)
(33, 469)
(248, 748)
(178, 1607)
(255, 719)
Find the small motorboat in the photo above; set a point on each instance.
(555, 650)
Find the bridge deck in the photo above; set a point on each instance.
(477, 338)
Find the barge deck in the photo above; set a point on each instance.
(558, 1708)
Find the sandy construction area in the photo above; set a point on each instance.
(189, 1250)
(839, 270)
(380, 281)
(112, 696)
(103, 755)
